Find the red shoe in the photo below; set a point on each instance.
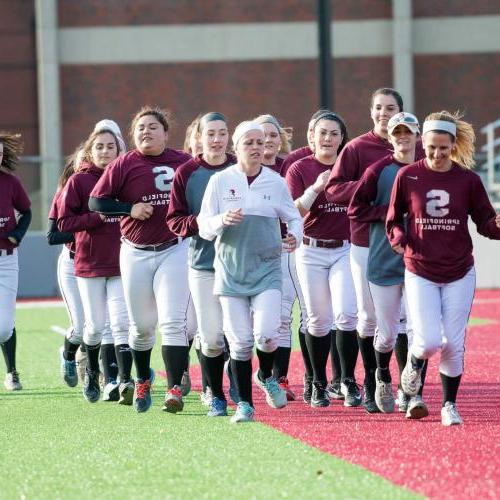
(283, 383)
(173, 400)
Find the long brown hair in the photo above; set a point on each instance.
(87, 145)
(12, 149)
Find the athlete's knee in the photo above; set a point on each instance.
(266, 343)
(141, 340)
(346, 321)
(92, 338)
(5, 333)
(241, 353)
(213, 345)
(120, 336)
(424, 349)
(452, 366)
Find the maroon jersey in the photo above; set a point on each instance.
(278, 166)
(296, 154)
(12, 197)
(54, 215)
(351, 164)
(97, 241)
(437, 242)
(136, 178)
(326, 220)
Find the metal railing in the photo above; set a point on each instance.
(491, 166)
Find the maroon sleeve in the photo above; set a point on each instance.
(73, 211)
(53, 207)
(295, 182)
(20, 199)
(110, 182)
(394, 223)
(295, 155)
(482, 212)
(179, 220)
(344, 177)
(361, 207)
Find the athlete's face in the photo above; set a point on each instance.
(195, 143)
(403, 140)
(149, 136)
(272, 141)
(438, 148)
(327, 138)
(384, 106)
(214, 138)
(103, 150)
(250, 148)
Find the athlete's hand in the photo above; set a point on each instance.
(289, 243)
(320, 182)
(141, 211)
(12, 240)
(497, 221)
(232, 217)
(398, 249)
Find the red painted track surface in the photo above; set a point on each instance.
(424, 456)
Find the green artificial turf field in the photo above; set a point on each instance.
(56, 445)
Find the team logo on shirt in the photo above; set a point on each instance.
(232, 195)
(437, 209)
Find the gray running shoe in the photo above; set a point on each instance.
(12, 382)
(411, 378)
(126, 392)
(91, 389)
(416, 408)
(450, 415)
(68, 369)
(403, 401)
(384, 397)
(350, 391)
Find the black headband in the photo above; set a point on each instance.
(327, 115)
(210, 117)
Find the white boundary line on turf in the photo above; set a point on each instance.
(58, 329)
(39, 304)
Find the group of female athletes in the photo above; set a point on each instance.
(215, 244)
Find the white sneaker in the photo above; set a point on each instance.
(411, 378)
(244, 413)
(275, 395)
(206, 397)
(12, 382)
(111, 391)
(384, 397)
(450, 415)
(416, 408)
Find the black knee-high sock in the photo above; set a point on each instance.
(69, 350)
(319, 349)
(265, 364)
(214, 368)
(368, 356)
(175, 358)
(281, 362)
(93, 357)
(424, 374)
(242, 371)
(142, 360)
(401, 351)
(347, 347)
(109, 362)
(450, 387)
(383, 360)
(305, 355)
(124, 359)
(9, 352)
(335, 356)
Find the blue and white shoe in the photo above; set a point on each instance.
(142, 395)
(275, 395)
(152, 376)
(218, 408)
(68, 369)
(244, 413)
(233, 388)
(91, 389)
(111, 391)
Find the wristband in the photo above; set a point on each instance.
(308, 198)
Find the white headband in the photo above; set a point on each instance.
(107, 124)
(243, 128)
(440, 125)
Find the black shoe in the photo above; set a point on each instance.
(369, 399)
(308, 388)
(319, 397)
(91, 389)
(351, 392)
(333, 390)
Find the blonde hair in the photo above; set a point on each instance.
(463, 152)
(191, 128)
(284, 137)
(12, 149)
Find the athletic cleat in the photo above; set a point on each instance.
(275, 395)
(173, 400)
(308, 388)
(384, 397)
(186, 383)
(350, 390)
(218, 408)
(333, 390)
(416, 408)
(68, 369)
(244, 413)
(126, 393)
(206, 397)
(283, 383)
(142, 396)
(450, 415)
(402, 401)
(233, 388)
(411, 378)
(12, 382)
(81, 364)
(91, 389)
(111, 391)
(319, 398)
(369, 399)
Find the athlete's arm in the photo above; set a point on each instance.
(210, 221)
(56, 237)
(361, 207)
(179, 219)
(23, 223)
(344, 178)
(108, 206)
(482, 212)
(394, 223)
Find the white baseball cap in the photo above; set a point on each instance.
(407, 119)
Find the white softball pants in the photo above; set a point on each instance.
(326, 281)
(9, 278)
(103, 298)
(439, 314)
(156, 291)
(389, 303)
(71, 296)
(208, 312)
(249, 319)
